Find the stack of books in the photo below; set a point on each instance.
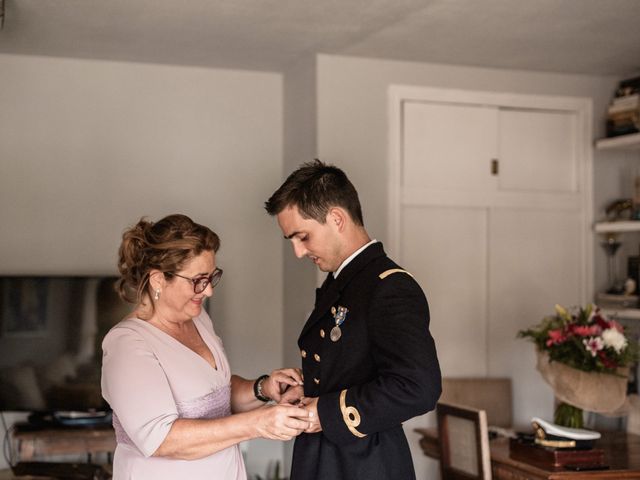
(623, 114)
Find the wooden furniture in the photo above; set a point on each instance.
(33, 443)
(621, 453)
(491, 394)
(56, 471)
(464, 443)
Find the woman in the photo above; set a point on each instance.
(177, 410)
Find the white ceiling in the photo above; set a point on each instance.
(600, 37)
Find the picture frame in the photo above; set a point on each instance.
(464, 442)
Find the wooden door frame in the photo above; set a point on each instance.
(580, 106)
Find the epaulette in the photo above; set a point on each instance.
(391, 271)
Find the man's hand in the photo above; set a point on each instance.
(311, 405)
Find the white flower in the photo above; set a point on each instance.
(614, 339)
(593, 345)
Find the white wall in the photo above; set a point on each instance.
(88, 147)
(353, 133)
(300, 125)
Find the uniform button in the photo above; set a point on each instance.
(317, 357)
(317, 380)
(322, 332)
(303, 353)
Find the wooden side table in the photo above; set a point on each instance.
(622, 455)
(32, 443)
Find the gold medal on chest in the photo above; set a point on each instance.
(339, 316)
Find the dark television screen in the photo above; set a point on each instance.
(51, 329)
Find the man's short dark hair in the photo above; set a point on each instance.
(315, 188)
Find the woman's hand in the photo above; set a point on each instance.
(292, 396)
(281, 422)
(280, 381)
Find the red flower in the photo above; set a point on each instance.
(556, 337)
(601, 322)
(608, 363)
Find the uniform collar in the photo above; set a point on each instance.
(329, 293)
(351, 257)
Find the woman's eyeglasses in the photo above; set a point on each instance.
(201, 283)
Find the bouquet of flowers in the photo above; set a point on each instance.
(584, 339)
(584, 357)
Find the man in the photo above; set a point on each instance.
(368, 359)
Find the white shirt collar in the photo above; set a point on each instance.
(351, 257)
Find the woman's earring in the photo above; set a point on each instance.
(157, 295)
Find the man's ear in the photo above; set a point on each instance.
(338, 217)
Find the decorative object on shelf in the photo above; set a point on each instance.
(585, 358)
(623, 114)
(619, 209)
(611, 246)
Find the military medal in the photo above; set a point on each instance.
(335, 334)
(339, 316)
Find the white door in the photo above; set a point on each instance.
(449, 147)
(495, 250)
(537, 151)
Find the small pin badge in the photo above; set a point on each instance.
(339, 316)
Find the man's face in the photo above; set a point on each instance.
(321, 242)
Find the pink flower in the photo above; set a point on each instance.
(585, 331)
(556, 337)
(593, 345)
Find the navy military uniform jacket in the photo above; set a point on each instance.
(382, 371)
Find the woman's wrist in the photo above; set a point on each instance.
(257, 389)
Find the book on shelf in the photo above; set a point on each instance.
(626, 116)
(623, 104)
(623, 113)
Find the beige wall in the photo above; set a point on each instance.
(88, 147)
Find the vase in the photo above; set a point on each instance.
(568, 416)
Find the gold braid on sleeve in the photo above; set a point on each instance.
(350, 415)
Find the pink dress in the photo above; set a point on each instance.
(150, 380)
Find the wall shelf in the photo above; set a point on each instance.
(622, 313)
(623, 142)
(618, 227)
